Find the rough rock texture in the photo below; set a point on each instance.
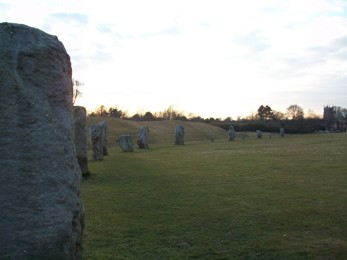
(179, 135)
(104, 137)
(143, 137)
(231, 133)
(95, 134)
(126, 143)
(80, 119)
(41, 214)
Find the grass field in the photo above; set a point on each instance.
(160, 131)
(270, 198)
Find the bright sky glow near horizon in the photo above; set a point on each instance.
(212, 58)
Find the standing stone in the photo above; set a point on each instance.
(104, 138)
(41, 215)
(282, 132)
(95, 134)
(231, 133)
(126, 143)
(259, 134)
(80, 115)
(179, 135)
(143, 137)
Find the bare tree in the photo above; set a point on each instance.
(101, 111)
(252, 116)
(277, 115)
(265, 112)
(140, 112)
(117, 112)
(312, 115)
(172, 113)
(169, 113)
(295, 112)
(76, 89)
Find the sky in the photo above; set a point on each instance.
(209, 58)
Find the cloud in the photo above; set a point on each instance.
(338, 49)
(205, 24)
(70, 17)
(105, 28)
(4, 6)
(340, 42)
(173, 31)
(100, 54)
(66, 23)
(243, 53)
(253, 41)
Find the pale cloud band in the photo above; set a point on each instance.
(212, 58)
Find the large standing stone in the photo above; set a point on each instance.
(126, 143)
(41, 215)
(143, 137)
(179, 135)
(104, 137)
(231, 133)
(80, 117)
(95, 135)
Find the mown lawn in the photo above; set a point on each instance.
(270, 198)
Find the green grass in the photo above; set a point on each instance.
(159, 131)
(278, 198)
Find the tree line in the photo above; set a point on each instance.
(265, 119)
(171, 113)
(264, 113)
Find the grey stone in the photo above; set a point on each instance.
(104, 136)
(126, 143)
(80, 118)
(231, 133)
(259, 134)
(143, 137)
(282, 132)
(179, 135)
(95, 135)
(41, 214)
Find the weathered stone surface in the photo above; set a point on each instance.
(259, 134)
(80, 118)
(282, 132)
(104, 136)
(143, 137)
(231, 133)
(41, 214)
(179, 135)
(126, 143)
(95, 135)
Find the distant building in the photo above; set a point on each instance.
(335, 118)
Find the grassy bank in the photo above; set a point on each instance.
(160, 131)
(278, 198)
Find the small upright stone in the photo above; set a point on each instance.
(95, 135)
(126, 143)
(259, 134)
(231, 133)
(282, 132)
(80, 115)
(104, 137)
(41, 214)
(143, 137)
(179, 135)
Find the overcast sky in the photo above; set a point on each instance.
(212, 58)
